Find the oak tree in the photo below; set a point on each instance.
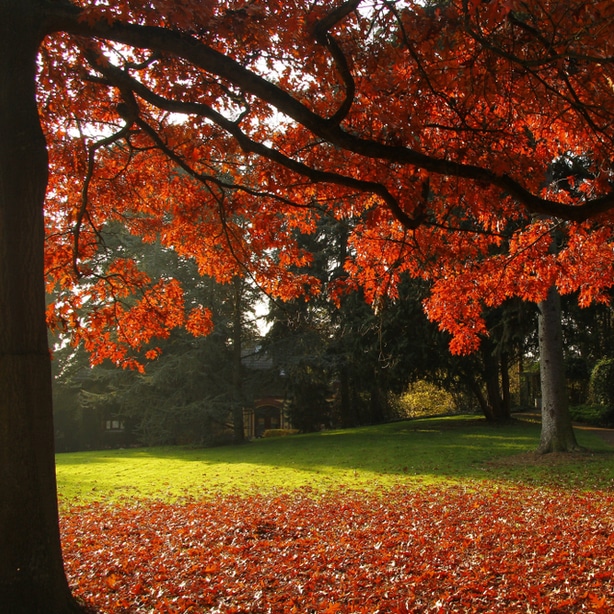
(223, 127)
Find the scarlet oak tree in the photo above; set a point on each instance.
(223, 127)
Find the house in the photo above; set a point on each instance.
(267, 412)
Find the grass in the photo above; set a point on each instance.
(413, 453)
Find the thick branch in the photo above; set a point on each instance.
(323, 36)
(124, 81)
(204, 57)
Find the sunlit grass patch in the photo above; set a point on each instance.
(412, 453)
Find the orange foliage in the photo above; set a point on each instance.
(412, 551)
(223, 128)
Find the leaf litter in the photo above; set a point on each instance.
(440, 549)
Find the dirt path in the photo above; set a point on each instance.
(606, 434)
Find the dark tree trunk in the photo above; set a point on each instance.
(345, 406)
(557, 433)
(32, 577)
(237, 365)
(497, 384)
(484, 400)
(493, 393)
(506, 397)
(496, 403)
(377, 400)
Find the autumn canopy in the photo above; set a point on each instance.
(469, 143)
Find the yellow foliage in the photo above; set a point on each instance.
(425, 399)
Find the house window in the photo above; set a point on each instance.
(114, 425)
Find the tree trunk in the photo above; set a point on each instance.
(377, 400)
(237, 364)
(506, 397)
(557, 433)
(497, 384)
(347, 413)
(492, 391)
(32, 577)
(475, 388)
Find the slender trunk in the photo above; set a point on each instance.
(557, 433)
(496, 378)
(475, 388)
(237, 366)
(506, 396)
(377, 400)
(32, 577)
(492, 391)
(346, 406)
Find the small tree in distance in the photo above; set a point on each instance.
(602, 387)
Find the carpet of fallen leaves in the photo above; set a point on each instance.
(452, 549)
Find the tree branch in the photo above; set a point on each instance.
(325, 38)
(208, 59)
(125, 81)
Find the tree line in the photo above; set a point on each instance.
(331, 364)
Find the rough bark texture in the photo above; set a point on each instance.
(32, 578)
(557, 433)
(497, 388)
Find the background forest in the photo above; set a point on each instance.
(327, 364)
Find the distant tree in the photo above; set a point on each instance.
(192, 385)
(297, 342)
(417, 350)
(331, 350)
(602, 386)
(588, 331)
(73, 431)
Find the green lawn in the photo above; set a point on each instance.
(412, 453)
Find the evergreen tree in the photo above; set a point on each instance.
(190, 389)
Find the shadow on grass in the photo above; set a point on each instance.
(410, 452)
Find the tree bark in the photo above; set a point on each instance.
(377, 399)
(492, 389)
(32, 578)
(557, 434)
(506, 397)
(237, 363)
(499, 411)
(347, 413)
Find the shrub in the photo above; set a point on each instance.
(425, 399)
(597, 415)
(602, 382)
(279, 432)
(602, 390)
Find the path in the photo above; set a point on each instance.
(604, 433)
